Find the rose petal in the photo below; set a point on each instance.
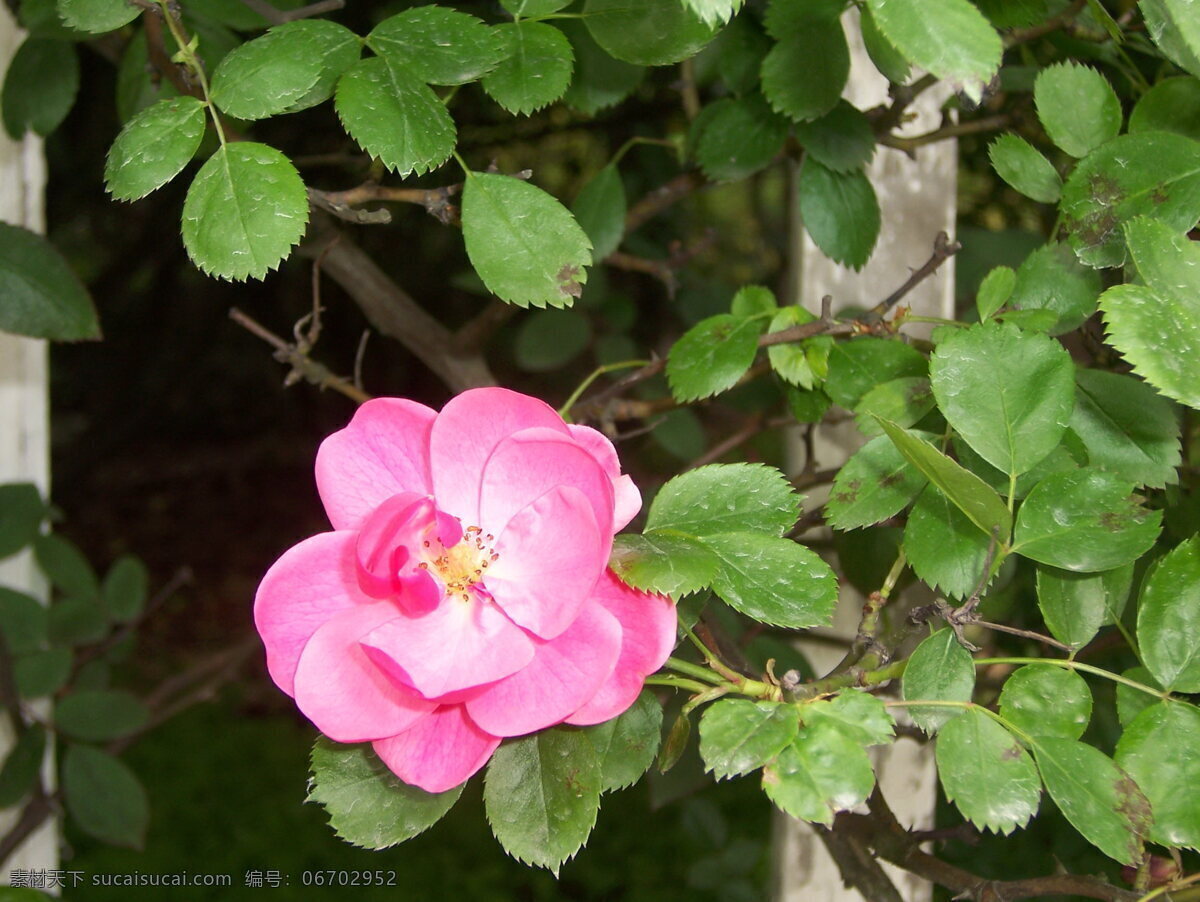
(309, 584)
(457, 645)
(564, 673)
(343, 692)
(627, 498)
(550, 556)
(439, 752)
(384, 450)
(647, 637)
(466, 433)
(387, 541)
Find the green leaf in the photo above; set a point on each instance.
(21, 507)
(600, 81)
(1044, 700)
(536, 71)
(968, 492)
(714, 12)
(754, 300)
(808, 406)
(136, 89)
(39, 87)
(43, 298)
(1076, 605)
(1161, 751)
(712, 356)
(740, 137)
(22, 620)
(903, 401)
(394, 116)
(738, 736)
(1156, 174)
(42, 673)
(22, 765)
(720, 498)
(600, 210)
(949, 38)
(153, 147)
(943, 546)
(542, 794)
(367, 804)
(1096, 796)
(986, 773)
(1052, 278)
(549, 339)
(1018, 163)
(791, 361)
(804, 73)
(674, 565)
(292, 67)
(99, 715)
(939, 669)
(1168, 624)
(741, 48)
(773, 580)
(1172, 105)
(841, 140)
(438, 45)
(41, 20)
(646, 32)
(994, 291)
(1128, 428)
(125, 587)
(856, 367)
(1132, 702)
(1013, 13)
(876, 483)
(840, 212)
(76, 621)
(525, 245)
(1077, 106)
(97, 16)
(1007, 392)
(104, 796)
(627, 744)
(532, 9)
(1084, 520)
(860, 716)
(1172, 26)
(823, 771)
(65, 565)
(887, 59)
(675, 744)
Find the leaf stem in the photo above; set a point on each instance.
(676, 682)
(694, 670)
(599, 371)
(1086, 668)
(188, 54)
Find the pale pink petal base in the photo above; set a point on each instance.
(439, 752)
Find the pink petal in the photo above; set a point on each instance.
(439, 752)
(387, 541)
(457, 645)
(528, 464)
(648, 635)
(627, 497)
(309, 584)
(466, 433)
(345, 694)
(550, 556)
(564, 673)
(383, 451)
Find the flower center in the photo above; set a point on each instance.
(461, 566)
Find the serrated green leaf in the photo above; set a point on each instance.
(674, 565)
(76, 621)
(841, 140)
(627, 745)
(675, 744)
(808, 406)
(22, 621)
(62, 561)
(994, 291)
(1161, 751)
(1156, 174)
(903, 401)
(949, 38)
(1045, 700)
(1130, 701)
(525, 245)
(804, 73)
(21, 507)
(600, 210)
(773, 580)
(712, 356)
(887, 59)
(1018, 163)
(1076, 605)
(966, 491)
(542, 794)
(97, 16)
(532, 9)
(876, 483)
(1077, 107)
(943, 546)
(822, 772)
(1007, 392)
(1172, 105)
(600, 80)
(22, 765)
(1168, 623)
(367, 804)
(720, 498)
(1084, 520)
(536, 70)
(1172, 26)
(104, 797)
(438, 45)
(42, 673)
(741, 48)
(393, 115)
(939, 669)
(99, 715)
(125, 587)
(153, 147)
(791, 361)
(856, 367)
(840, 212)
(1052, 278)
(754, 300)
(860, 716)
(1097, 797)
(738, 736)
(646, 32)
(245, 210)
(39, 87)
(43, 298)
(986, 773)
(714, 12)
(1127, 427)
(740, 137)
(41, 20)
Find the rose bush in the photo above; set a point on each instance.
(464, 595)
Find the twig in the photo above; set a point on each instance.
(662, 197)
(1024, 35)
(943, 250)
(957, 130)
(754, 425)
(278, 16)
(436, 201)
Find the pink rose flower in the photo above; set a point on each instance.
(464, 594)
